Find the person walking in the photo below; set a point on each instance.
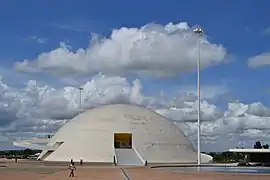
(81, 161)
(72, 162)
(72, 168)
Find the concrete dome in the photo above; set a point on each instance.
(95, 135)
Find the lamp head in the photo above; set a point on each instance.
(198, 31)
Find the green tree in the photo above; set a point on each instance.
(266, 146)
(27, 152)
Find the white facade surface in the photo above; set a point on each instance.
(90, 136)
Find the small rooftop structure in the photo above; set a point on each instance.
(250, 150)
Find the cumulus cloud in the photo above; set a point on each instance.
(209, 112)
(259, 60)
(157, 50)
(37, 109)
(240, 122)
(152, 49)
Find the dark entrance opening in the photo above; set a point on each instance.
(123, 140)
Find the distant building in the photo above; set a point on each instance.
(120, 134)
(35, 156)
(254, 155)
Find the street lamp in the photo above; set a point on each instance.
(80, 101)
(199, 32)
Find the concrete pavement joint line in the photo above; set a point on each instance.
(125, 174)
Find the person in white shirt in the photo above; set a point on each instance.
(72, 168)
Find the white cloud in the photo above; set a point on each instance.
(209, 112)
(259, 60)
(152, 49)
(239, 122)
(39, 109)
(39, 40)
(258, 109)
(207, 92)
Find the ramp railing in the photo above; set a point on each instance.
(140, 157)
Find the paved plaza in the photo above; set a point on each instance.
(33, 171)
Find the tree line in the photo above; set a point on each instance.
(18, 153)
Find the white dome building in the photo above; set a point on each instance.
(122, 134)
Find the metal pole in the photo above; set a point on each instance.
(80, 101)
(198, 31)
(198, 104)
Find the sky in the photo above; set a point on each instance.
(136, 52)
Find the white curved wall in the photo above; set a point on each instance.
(90, 136)
(206, 158)
(35, 143)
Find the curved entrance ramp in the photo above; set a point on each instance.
(128, 157)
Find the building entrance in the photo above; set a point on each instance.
(123, 140)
